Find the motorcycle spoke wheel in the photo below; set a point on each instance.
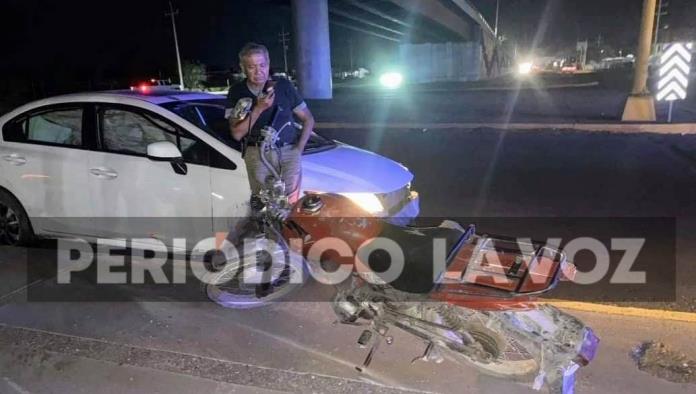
(507, 358)
(514, 351)
(500, 355)
(229, 289)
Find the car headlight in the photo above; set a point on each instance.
(391, 80)
(525, 68)
(367, 201)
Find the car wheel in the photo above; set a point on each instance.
(15, 228)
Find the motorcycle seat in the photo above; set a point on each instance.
(418, 245)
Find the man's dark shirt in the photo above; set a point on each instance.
(287, 98)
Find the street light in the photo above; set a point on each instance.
(660, 13)
(497, 11)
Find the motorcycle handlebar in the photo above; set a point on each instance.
(269, 140)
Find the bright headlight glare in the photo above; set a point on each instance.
(391, 80)
(367, 201)
(525, 68)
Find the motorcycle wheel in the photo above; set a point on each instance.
(506, 357)
(228, 289)
(510, 359)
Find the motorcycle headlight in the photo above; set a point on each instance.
(367, 201)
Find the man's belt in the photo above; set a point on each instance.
(278, 144)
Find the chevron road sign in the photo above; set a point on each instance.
(675, 66)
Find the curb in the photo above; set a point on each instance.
(197, 366)
(655, 314)
(623, 128)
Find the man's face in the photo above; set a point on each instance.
(256, 67)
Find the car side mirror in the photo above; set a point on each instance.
(166, 151)
(163, 151)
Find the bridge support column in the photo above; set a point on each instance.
(312, 47)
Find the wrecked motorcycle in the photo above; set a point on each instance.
(470, 298)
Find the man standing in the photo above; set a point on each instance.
(255, 103)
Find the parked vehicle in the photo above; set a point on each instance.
(66, 162)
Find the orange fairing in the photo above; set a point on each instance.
(337, 221)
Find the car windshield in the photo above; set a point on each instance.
(209, 115)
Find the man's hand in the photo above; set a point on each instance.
(265, 101)
(239, 129)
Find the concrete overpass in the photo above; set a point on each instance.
(405, 22)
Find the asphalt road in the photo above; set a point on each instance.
(180, 347)
(494, 102)
(167, 346)
(554, 174)
(548, 98)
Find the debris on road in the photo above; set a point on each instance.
(659, 360)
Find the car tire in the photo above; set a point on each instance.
(15, 227)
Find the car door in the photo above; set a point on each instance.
(137, 197)
(44, 162)
(229, 182)
(230, 190)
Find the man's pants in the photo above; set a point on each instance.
(286, 160)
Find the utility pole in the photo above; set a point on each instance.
(640, 105)
(660, 13)
(350, 53)
(171, 14)
(497, 12)
(284, 39)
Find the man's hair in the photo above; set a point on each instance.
(252, 48)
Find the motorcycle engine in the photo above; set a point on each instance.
(346, 307)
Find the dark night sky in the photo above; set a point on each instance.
(563, 22)
(102, 40)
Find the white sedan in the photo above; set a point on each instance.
(86, 165)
